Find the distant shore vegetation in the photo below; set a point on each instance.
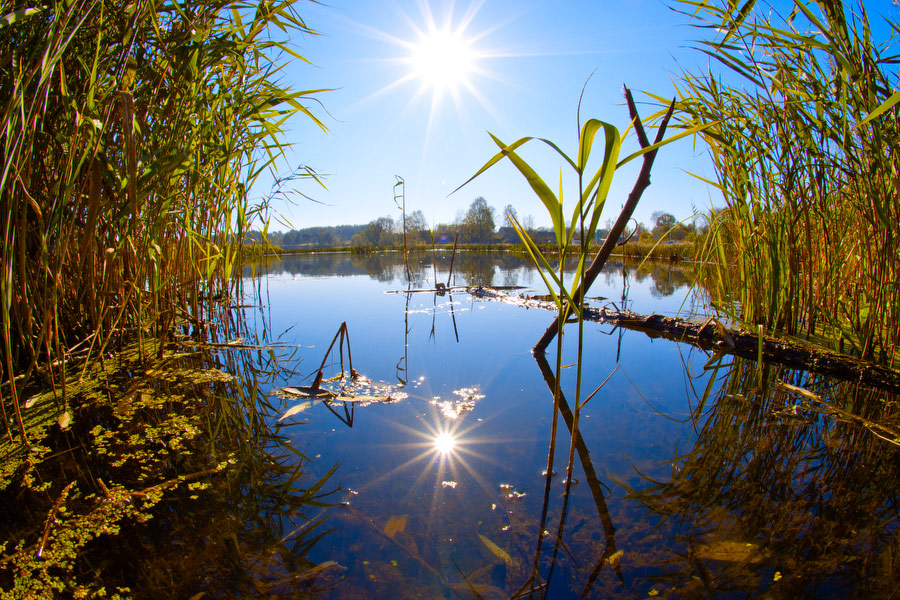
(664, 238)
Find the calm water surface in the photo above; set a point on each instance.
(695, 475)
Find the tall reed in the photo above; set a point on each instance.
(131, 134)
(802, 141)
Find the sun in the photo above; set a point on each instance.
(448, 55)
(443, 60)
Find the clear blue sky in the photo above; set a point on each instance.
(528, 62)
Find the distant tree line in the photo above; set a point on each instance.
(477, 225)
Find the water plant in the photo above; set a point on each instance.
(568, 291)
(131, 136)
(802, 126)
(172, 480)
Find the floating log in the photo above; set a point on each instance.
(713, 336)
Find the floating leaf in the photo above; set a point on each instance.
(296, 409)
(395, 525)
(365, 399)
(289, 391)
(614, 558)
(728, 551)
(799, 390)
(64, 420)
(305, 392)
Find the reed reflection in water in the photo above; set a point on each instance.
(693, 475)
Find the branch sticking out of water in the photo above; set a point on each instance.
(342, 333)
(642, 183)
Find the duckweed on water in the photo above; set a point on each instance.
(144, 494)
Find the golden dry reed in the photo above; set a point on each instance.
(131, 134)
(803, 134)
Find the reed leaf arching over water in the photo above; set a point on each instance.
(804, 154)
(131, 133)
(592, 188)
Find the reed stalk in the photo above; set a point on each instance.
(592, 183)
(802, 146)
(131, 136)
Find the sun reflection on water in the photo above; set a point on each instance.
(444, 443)
(441, 454)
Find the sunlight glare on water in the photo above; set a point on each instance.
(444, 443)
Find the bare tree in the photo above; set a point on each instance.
(509, 213)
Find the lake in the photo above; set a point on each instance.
(694, 474)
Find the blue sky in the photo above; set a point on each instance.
(529, 62)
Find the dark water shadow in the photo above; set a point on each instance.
(789, 490)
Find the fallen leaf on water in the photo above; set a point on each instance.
(497, 550)
(298, 408)
(615, 557)
(395, 525)
(306, 392)
(64, 420)
(366, 399)
(726, 551)
(290, 391)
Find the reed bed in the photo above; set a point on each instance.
(131, 134)
(670, 251)
(802, 134)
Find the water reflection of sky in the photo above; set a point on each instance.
(456, 464)
(471, 378)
